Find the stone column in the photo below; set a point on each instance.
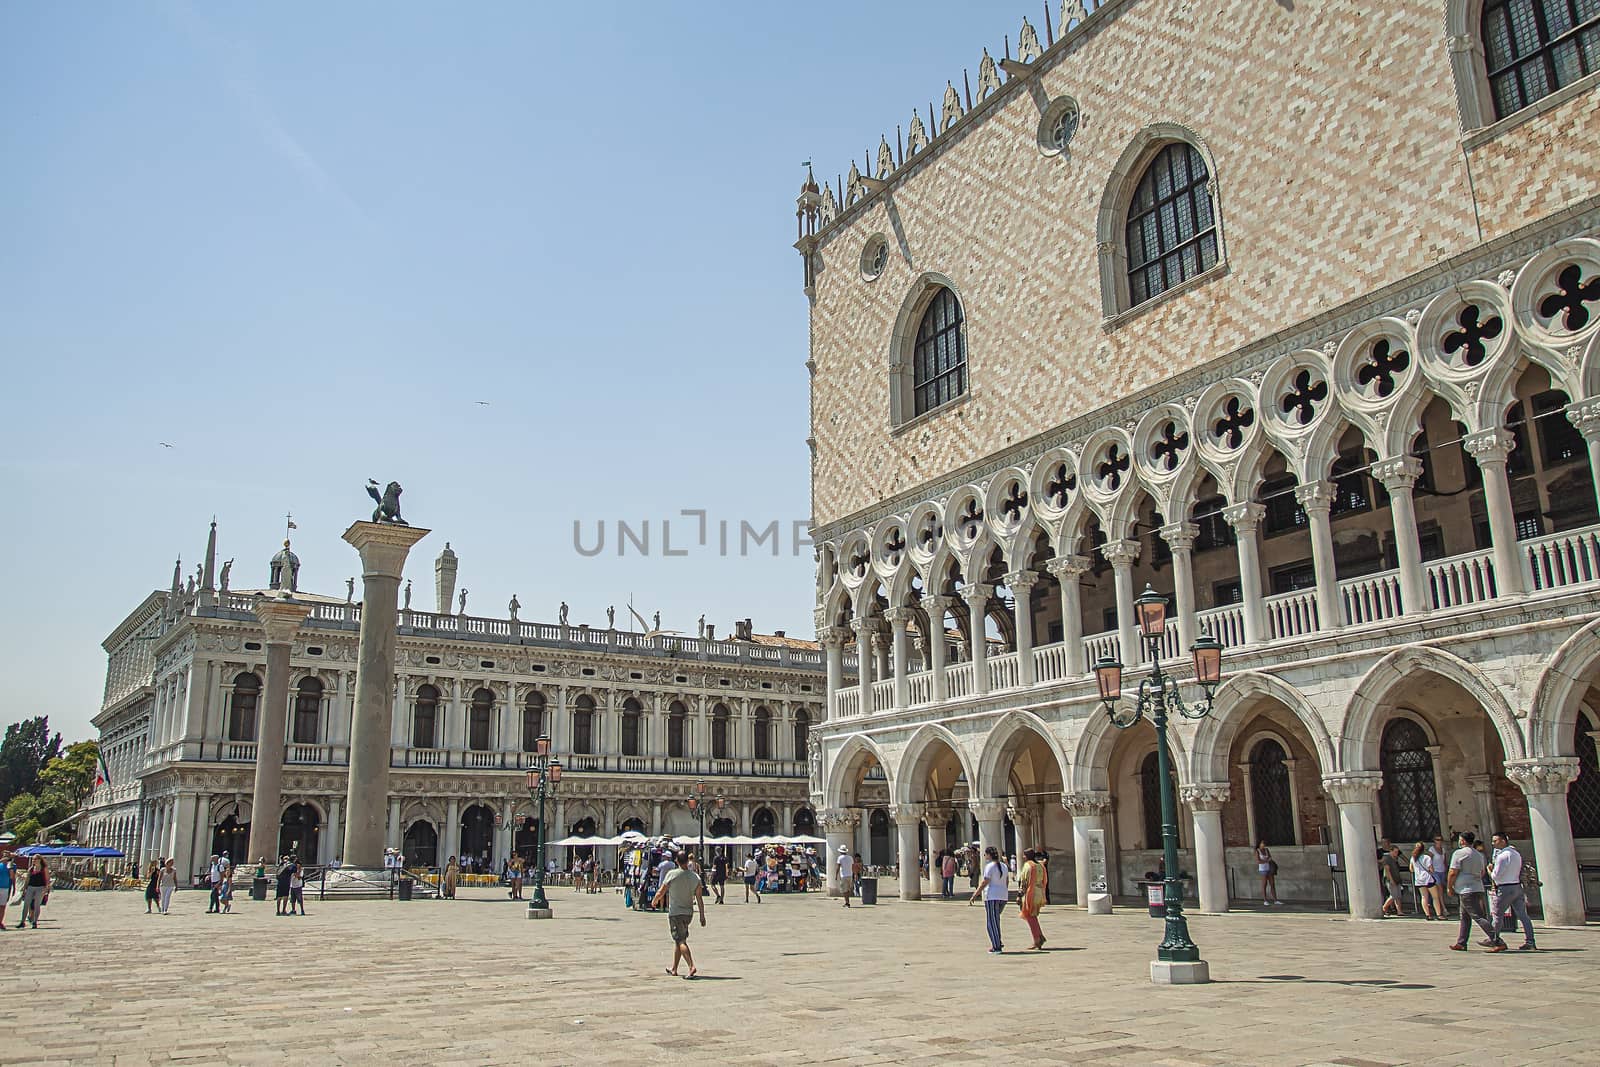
(991, 816)
(938, 820)
(1585, 415)
(1482, 786)
(936, 606)
(1246, 522)
(1021, 584)
(1316, 500)
(397, 833)
(1088, 810)
(1121, 554)
(383, 548)
(898, 618)
(907, 818)
(864, 664)
(1355, 792)
(1544, 782)
(832, 639)
(1069, 571)
(1179, 537)
(838, 826)
(333, 840)
(280, 617)
(1490, 448)
(1205, 801)
(977, 597)
(1398, 476)
(450, 840)
(184, 813)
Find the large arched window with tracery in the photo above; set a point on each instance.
(1534, 47)
(242, 708)
(1171, 229)
(939, 359)
(1409, 800)
(1269, 794)
(1583, 798)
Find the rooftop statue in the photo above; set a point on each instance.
(388, 509)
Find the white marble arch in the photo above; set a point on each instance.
(1090, 763)
(1361, 731)
(1558, 695)
(1001, 746)
(842, 769)
(1235, 702)
(919, 750)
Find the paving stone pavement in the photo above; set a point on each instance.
(792, 980)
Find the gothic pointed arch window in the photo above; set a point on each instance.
(720, 718)
(242, 707)
(1532, 48)
(1583, 798)
(1171, 229)
(939, 356)
(1150, 799)
(761, 734)
(532, 720)
(307, 711)
(425, 718)
(1269, 793)
(1409, 799)
(632, 713)
(677, 721)
(480, 715)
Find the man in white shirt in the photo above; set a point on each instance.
(214, 880)
(847, 873)
(1505, 870)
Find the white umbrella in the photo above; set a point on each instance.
(802, 839)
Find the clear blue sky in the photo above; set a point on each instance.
(300, 242)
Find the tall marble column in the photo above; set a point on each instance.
(838, 826)
(938, 651)
(1069, 571)
(1205, 800)
(1544, 782)
(383, 548)
(280, 616)
(864, 664)
(1355, 792)
(1246, 522)
(977, 597)
(1398, 476)
(1490, 448)
(938, 820)
(1088, 810)
(1316, 500)
(991, 815)
(907, 818)
(1585, 415)
(1121, 554)
(1180, 537)
(833, 639)
(898, 618)
(1021, 584)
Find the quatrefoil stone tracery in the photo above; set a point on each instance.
(1382, 368)
(1572, 298)
(1166, 452)
(1305, 393)
(1475, 330)
(1236, 418)
(1109, 473)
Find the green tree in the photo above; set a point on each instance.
(71, 774)
(22, 817)
(27, 747)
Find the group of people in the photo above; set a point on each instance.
(219, 876)
(34, 886)
(1033, 890)
(160, 880)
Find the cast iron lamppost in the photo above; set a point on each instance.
(1178, 957)
(543, 779)
(697, 804)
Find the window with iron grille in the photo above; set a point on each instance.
(1534, 47)
(1214, 529)
(1520, 461)
(939, 362)
(1269, 794)
(1583, 798)
(1171, 233)
(1559, 440)
(1352, 486)
(1410, 804)
(1150, 799)
(1284, 512)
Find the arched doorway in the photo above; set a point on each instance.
(878, 854)
(525, 842)
(477, 837)
(298, 832)
(805, 823)
(1409, 798)
(584, 827)
(763, 823)
(231, 837)
(1271, 801)
(420, 846)
(723, 827)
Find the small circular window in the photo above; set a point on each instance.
(874, 257)
(1057, 126)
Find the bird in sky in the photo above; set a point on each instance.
(481, 403)
(165, 445)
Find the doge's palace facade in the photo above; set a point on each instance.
(1291, 312)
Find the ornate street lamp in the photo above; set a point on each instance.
(543, 779)
(1157, 695)
(697, 804)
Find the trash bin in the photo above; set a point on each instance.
(1155, 894)
(258, 889)
(869, 890)
(405, 888)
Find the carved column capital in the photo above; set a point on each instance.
(1316, 496)
(1020, 582)
(1353, 787)
(1087, 803)
(1545, 775)
(1399, 473)
(833, 636)
(937, 605)
(1120, 553)
(1205, 796)
(987, 810)
(934, 815)
(838, 820)
(977, 593)
(899, 616)
(1585, 415)
(1245, 518)
(1180, 536)
(1070, 568)
(904, 813)
(1489, 446)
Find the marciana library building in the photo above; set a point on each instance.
(1289, 311)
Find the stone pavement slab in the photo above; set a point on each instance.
(793, 979)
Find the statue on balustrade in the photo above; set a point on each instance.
(408, 594)
(562, 614)
(514, 607)
(227, 572)
(462, 601)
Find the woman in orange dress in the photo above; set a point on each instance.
(1031, 893)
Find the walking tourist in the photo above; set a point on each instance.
(297, 886)
(152, 887)
(1422, 879)
(847, 873)
(226, 892)
(681, 891)
(35, 892)
(947, 875)
(1441, 873)
(995, 892)
(1267, 867)
(751, 872)
(169, 883)
(719, 874)
(1032, 892)
(214, 882)
(1508, 896)
(281, 894)
(452, 876)
(1466, 882)
(8, 878)
(1389, 863)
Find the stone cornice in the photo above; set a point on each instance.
(1485, 260)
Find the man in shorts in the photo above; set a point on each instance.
(681, 891)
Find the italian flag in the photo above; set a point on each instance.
(102, 774)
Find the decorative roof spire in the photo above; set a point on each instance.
(208, 575)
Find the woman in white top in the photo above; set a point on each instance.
(169, 882)
(995, 893)
(1422, 879)
(1441, 874)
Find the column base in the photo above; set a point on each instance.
(539, 913)
(1099, 904)
(1165, 973)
